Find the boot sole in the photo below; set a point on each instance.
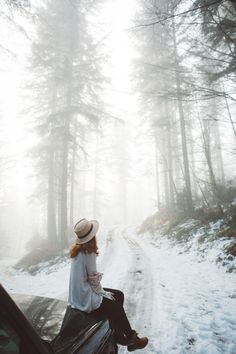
(132, 348)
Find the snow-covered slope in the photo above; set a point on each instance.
(195, 301)
(183, 302)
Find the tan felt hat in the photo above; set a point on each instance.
(85, 230)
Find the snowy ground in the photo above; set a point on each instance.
(182, 303)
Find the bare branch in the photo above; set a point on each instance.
(178, 14)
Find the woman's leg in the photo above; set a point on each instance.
(118, 295)
(119, 336)
(116, 314)
(114, 311)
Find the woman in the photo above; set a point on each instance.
(85, 290)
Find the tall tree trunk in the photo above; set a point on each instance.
(64, 166)
(158, 195)
(124, 178)
(165, 166)
(51, 212)
(72, 184)
(68, 65)
(169, 156)
(195, 184)
(207, 150)
(95, 187)
(218, 151)
(81, 184)
(182, 122)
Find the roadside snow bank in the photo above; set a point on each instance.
(205, 241)
(195, 300)
(49, 281)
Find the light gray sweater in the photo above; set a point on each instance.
(85, 290)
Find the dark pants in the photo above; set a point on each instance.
(114, 311)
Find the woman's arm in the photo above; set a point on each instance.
(94, 277)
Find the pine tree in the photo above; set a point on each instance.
(66, 81)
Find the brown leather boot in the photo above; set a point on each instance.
(120, 337)
(136, 343)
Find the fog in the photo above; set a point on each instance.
(111, 110)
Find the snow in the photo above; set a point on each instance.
(205, 242)
(183, 302)
(196, 300)
(49, 281)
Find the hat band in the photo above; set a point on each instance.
(91, 227)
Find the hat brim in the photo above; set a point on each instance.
(80, 241)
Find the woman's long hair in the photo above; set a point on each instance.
(88, 247)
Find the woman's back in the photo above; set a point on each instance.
(81, 295)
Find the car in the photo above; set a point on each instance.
(39, 325)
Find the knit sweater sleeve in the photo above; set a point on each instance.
(94, 277)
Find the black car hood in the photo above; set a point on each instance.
(44, 314)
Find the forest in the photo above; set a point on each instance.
(121, 113)
(116, 111)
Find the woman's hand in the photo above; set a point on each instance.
(109, 295)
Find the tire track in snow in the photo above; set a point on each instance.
(112, 262)
(126, 267)
(139, 294)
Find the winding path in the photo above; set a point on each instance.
(183, 305)
(134, 277)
